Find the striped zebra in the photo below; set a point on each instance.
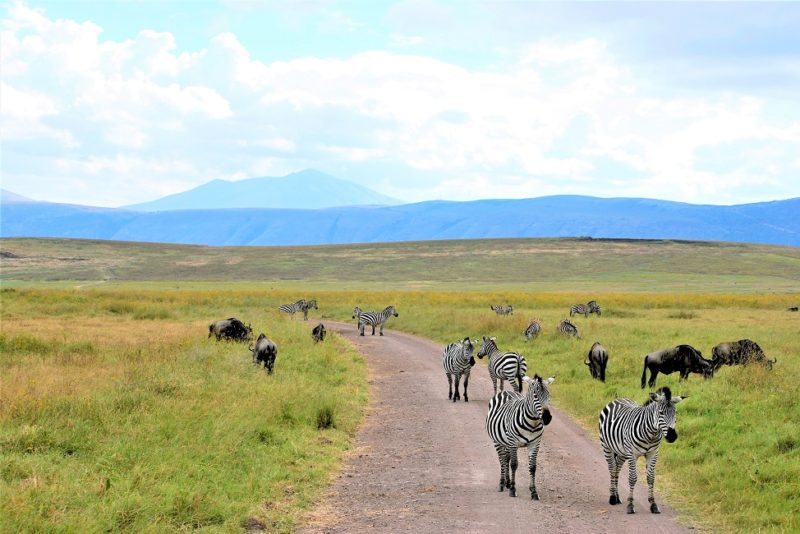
(374, 319)
(509, 366)
(578, 309)
(566, 327)
(457, 361)
(501, 309)
(516, 420)
(628, 431)
(533, 329)
(594, 307)
(292, 308)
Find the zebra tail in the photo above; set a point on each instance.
(644, 372)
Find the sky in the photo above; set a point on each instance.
(110, 103)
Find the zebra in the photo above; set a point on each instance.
(533, 329)
(509, 366)
(516, 420)
(374, 319)
(566, 327)
(628, 431)
(292, 308)
(457, 360)
(594, 307)
(503, 310)
(578, 309)
(307, 305)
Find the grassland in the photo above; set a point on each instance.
(127, 398)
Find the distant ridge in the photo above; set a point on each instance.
(555, 216)
(7, 197)
(308, 189)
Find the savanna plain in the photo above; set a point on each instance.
(118, 413)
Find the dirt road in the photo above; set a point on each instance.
(424, 464)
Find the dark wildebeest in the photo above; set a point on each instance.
(265, 352)
(739, 352)
(597, 360)
(793, 308)
(318, 333)
(231, 329)
(684, 358)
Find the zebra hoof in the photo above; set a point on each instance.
(654, 508)
(466, 399)
(534, 496)
(512, 492)
(502, 487)
(381, 333)
(614, 499)
(630, 508)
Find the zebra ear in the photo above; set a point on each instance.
(526, 379)
(676, 400)
(493, 338)
(549, 380)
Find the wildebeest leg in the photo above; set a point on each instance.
(512, 488)
(449, 386)
(603, 371)
(533, 452)
(651, 458)
(457, 396)
(653, 375)
(631, 480)
(466, 382)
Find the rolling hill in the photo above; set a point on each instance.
(556, 216)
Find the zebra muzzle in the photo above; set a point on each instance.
(672, 435)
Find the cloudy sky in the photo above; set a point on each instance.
(112, 103)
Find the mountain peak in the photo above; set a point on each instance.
(306, 189)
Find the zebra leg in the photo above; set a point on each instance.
(614, 465)
(631, 481)
(503, 457)
(449, 386)
(373, 330)
(533, 452)
(382, 327)
(651, 480)
(501, 384)
(361, 327)
(494, 384)
(466, 382)
(457, 396)
(512, 489)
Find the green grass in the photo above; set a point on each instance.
(97, 427)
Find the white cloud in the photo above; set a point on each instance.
(140, 110)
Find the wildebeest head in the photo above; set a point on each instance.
(667, 414)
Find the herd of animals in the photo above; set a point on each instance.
(515, 420)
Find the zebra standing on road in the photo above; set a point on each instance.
(578, 309)
(566, 327)
(457, 360)
(501, 309)
(374, 319)
(509, 366)
(307, 305)
(533, 329)
(628, 431)
(515, 420)
(293, 308)
(594, 307)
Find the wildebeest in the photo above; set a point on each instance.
(318, 333)
(739, 352)
(231, 329)
(684, 358)
(793, 308)
(597, 360)
(264, 352)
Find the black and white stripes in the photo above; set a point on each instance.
(457, 361)
(533, 329)
(628, 431)
(509, 366)
(515, 420)
(373, 318)
(302, 305)
(566, 327)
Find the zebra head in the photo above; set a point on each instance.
(356, 312)
(391, 311)
(311, 304)
(539, 396)
(487, 347)
(666, 412)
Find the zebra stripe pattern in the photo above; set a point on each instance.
(292, 308)
(374, 319)
(566, 327)
(594, 307)
(579, 309)
(533, 329)
(628, 431)
(509, 366)
(307, 305)
(515, 420)
(457, 361)
(501, 309)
